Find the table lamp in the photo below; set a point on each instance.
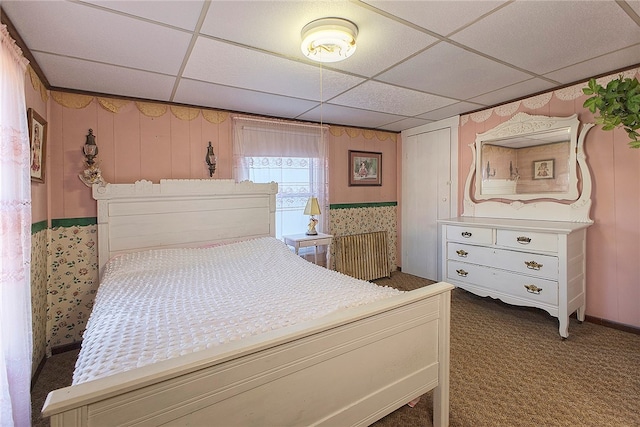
(313, 209)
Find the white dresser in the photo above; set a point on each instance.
(522, 262)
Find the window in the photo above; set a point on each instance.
(291, 154)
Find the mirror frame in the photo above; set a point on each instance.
(521, 125)
(573, 206)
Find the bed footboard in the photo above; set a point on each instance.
(349, 368)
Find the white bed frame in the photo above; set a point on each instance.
(352, 367)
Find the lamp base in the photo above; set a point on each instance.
(311, 228)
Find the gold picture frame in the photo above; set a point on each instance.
(38, 145)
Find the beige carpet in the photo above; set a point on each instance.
(509, 368)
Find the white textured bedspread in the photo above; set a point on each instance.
(159, 304)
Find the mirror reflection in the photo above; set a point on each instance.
(528, 157)
(527, 165)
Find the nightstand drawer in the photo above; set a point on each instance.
(315, 242)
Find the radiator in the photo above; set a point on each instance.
(363, 256)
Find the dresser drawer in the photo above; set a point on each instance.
(470, 234)
(534, 289)
(545, 266)
(527, 240)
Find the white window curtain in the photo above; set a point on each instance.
(292, 154)
(15, 239)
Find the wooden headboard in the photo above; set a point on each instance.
(181, 213)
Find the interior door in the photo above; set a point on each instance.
(429, 193)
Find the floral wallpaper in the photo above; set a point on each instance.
(356, 220)
(39, 295)
(73, 282)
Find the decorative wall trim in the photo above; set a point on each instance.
(71, 222)
(366, 133)
(38, 226)
(362, 205)
(37, 84)
(568, 93)
(149, 109)
(71, 100)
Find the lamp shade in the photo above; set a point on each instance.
(313, 207)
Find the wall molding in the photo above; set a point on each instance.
(71, 222)
(361, 205)
(37, 227)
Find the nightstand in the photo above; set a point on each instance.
(298, 241)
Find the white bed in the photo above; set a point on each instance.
(349, 367)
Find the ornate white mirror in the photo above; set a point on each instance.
(528, 157)
(530, 167)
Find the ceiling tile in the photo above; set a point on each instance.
(222, 63)
(81, 31)
(339, 115)
(528, 36)
(597, 66)
(275, 26)
(442, 17)
(527, 87)
(467, 74)
(181, 14)
(404, 124)
(106, 79)
(216, 96)
(386, 98)
(450, 111)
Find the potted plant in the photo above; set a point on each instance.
(618, 105)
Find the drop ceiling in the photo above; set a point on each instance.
(416, 61)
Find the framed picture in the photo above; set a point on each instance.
(543, 169)
(38, 143)
(365, 168)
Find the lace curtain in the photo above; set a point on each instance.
(15, 239)
(292, 154)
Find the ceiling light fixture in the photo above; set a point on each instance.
(329, 39)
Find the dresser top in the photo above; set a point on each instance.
(563, 227)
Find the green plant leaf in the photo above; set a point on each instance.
(617, 104)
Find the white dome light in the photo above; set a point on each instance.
(329, 39)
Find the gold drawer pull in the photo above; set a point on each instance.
(533, 289)
(462, 254)
(466, 234)
(462, 273)
(523, 240)
(533, 265)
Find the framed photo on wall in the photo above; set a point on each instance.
(365, 168)
(543, 169)
(37, 143)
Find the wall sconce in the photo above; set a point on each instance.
(92, 174)
(210, 158)
(313, 209)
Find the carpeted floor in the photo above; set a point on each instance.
(509, 368)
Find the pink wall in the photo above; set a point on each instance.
(132, 146)
(380, 142)
(613, 241)
(38, 101)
